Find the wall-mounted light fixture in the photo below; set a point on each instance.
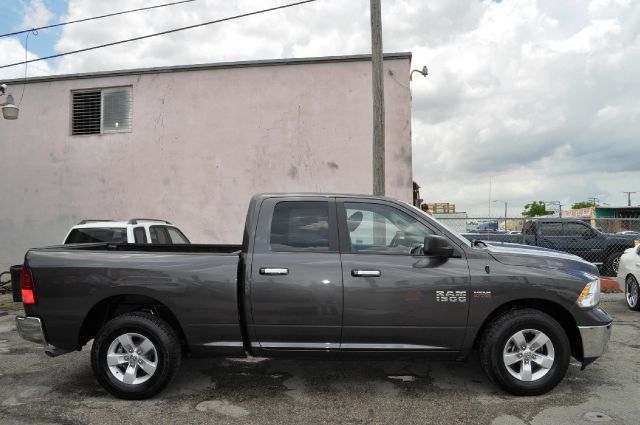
(9, 108)
(424, 71)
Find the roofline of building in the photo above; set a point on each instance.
(623, 207)
(208, 66)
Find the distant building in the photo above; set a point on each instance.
(608, 218)
(456, 220)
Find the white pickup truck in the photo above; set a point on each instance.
(136, 230)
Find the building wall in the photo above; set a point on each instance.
(202, 142)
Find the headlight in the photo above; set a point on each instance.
(590, 295)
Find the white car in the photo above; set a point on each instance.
(136, 230)
(629, 276)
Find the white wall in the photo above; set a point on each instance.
(202, 142)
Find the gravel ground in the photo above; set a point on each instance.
(39, 390)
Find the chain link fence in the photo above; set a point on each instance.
(598, 240)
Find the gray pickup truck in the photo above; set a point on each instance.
(568, 235)
(326, 275)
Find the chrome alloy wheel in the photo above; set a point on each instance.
(132, 358)
(631, 291)
(528, 355)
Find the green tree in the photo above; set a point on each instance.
(582, 204)
(535, 209)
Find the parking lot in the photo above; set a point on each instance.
(39, 390)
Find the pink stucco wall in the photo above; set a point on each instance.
(202, 142)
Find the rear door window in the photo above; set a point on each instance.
(300, 226)
(97, 234)
(139, 235)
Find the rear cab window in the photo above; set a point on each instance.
(139, 235)
(96, 235)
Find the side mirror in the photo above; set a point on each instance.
(437, 246)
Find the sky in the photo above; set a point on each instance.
(537, 100)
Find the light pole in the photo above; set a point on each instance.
(378, 98)
(505, 212)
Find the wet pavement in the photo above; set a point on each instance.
(35, 389)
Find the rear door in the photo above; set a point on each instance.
(296, 275)
(395, 297)
(551, 235)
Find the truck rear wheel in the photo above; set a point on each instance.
(135, 355)
(526, 352)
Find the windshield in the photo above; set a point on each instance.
(441, 224)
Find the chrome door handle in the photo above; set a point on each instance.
(366, 273)
(274, 271)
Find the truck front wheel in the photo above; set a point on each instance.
(612, 263)
(526, 352)
(135, 355)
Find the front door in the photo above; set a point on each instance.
(296, 276)
(396, 298)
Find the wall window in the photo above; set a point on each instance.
(101, 111)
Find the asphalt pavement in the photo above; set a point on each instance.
(35, 389)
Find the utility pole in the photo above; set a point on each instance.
(629, 197)
(378, 98)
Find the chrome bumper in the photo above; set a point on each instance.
(30, 328)
(594, 340)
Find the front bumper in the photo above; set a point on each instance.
(594, 341)
(30, 328)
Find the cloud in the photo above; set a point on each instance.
(13, 52)
(36, 14)
(540, 95)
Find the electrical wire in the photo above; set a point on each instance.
(95, 17)
(230, 18)
(26, 64)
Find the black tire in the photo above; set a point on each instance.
(612, 263)
(494, 343)
(632, 293)
(167, 354)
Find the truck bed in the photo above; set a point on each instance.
(197, 282)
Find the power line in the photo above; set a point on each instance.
(230, 18)
(95, 17)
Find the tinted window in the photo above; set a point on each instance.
(529, 228)
(159, 235)
(300, 226)
(93, 235)
(139, 235)
(377, 228)
(578, 230)
(551, 229)
(176, 236)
